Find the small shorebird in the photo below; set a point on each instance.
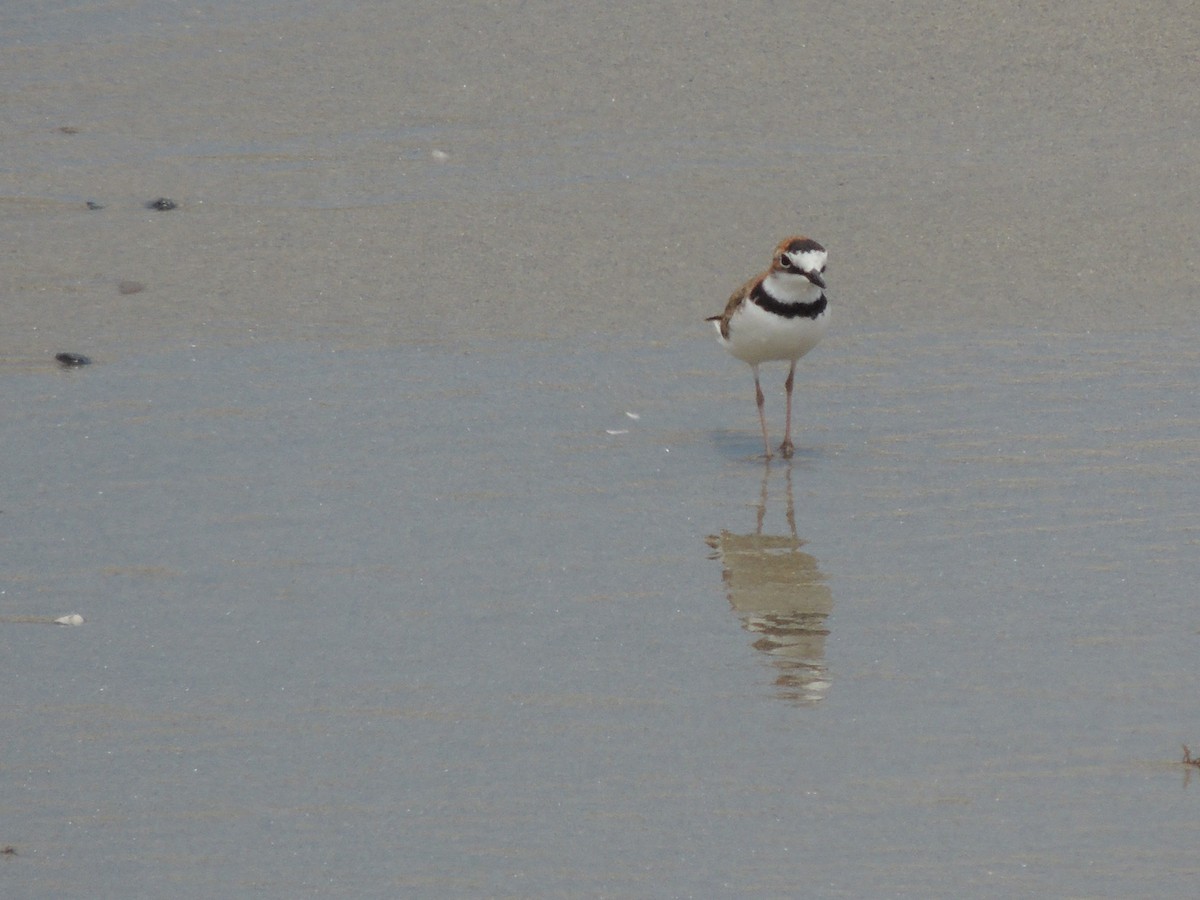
(780, 314)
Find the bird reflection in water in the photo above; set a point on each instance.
(781, 596)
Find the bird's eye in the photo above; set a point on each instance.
(785, 261)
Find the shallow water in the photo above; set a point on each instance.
(416, 622)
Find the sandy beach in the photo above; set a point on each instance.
(432, 173)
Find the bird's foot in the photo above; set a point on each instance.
(786, 448)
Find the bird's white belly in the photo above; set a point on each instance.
(756, 335)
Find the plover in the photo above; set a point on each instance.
(780, 314)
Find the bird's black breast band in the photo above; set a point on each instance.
(788, 310)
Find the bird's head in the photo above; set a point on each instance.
(800, 257)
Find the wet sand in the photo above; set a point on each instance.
(453, 638)
(1006, 167)
(387, 593)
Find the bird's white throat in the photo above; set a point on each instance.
(788, 288)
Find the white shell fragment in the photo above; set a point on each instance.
(72, 619)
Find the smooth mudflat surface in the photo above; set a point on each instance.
(414, 621)
(386, 591)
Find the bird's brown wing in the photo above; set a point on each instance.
(735, 300)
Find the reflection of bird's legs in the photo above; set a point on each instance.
(791, 504)
(762, 500)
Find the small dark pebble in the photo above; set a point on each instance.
(162, 203)
(92, 204)
(70, 129)
(70, 360)
(130, 287)
(9, 851)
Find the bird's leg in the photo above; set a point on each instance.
(787, 447)
(762, 417)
